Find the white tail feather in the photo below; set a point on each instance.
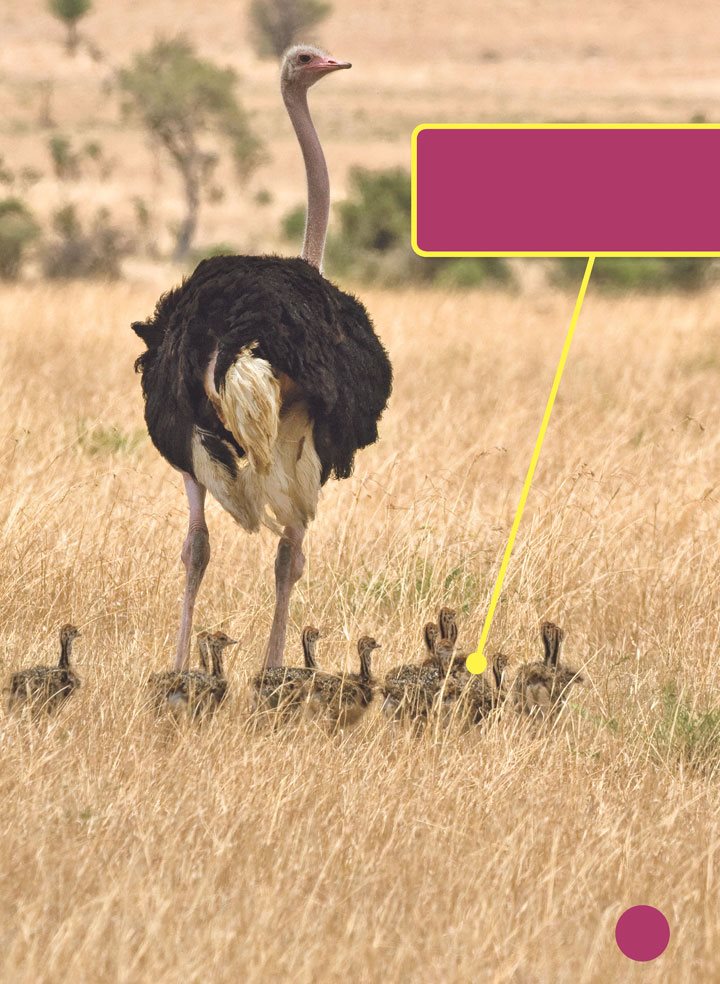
(249, 398)
(280, 472)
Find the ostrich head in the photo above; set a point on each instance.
(219, 640)
(499, 663)
(68, 633)
(431, 634)
(216, 642)
(366, 645)
(304, 64)
(447, 622)
(552, 637)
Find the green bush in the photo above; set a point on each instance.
(65, 161)
(92, 250)
(18, 230)
(97, 440)
(688, 735)
(208, 252)
(643, 273)
(293, 224)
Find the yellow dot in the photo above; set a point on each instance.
(476, 662)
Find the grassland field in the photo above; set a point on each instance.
(131, 850)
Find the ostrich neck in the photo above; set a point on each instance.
(309, 654)
(65, 653)
(217, 662)
(365, 665)
(316, 172)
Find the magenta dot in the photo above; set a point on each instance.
(642, 932)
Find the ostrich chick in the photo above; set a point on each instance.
(286, 688)
(343, 698)
(409, 690)
(473, 698)
(541, 688)
(444, 647)
(195, 692)
(46, 687)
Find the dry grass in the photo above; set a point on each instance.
(131, 852)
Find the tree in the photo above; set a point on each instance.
(70, 12)
(181, 98)
(18, 229)
(279, 23)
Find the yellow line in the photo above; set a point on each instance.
(476, 662)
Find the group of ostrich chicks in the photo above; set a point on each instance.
(440, 685)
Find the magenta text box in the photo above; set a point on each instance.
(567, 191)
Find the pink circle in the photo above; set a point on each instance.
(642, 933)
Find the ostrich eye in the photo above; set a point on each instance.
(304, 59)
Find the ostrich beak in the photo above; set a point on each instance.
(329, 65)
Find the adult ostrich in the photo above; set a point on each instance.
(262, 379)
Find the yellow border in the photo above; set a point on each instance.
(541, 126)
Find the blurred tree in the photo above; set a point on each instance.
(65, 161)
(180, 98)
(18, 229)
(70, 12)
(46, 118)
(279, 23)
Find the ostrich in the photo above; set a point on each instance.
(342, 698)
(47, 687)
(475, 698)
(261, 379)
(542, 688)
(195, 691)
(285, 688)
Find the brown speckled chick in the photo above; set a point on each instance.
(541, 688)
(46, 688)
(341, 699)
(195, 692)
(286, 688)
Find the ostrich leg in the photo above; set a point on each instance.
(196, 556)
(289, 565)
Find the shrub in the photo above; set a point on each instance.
(686, 734)
(293, 223)
(18, 230)
(276, 24)
(643, 273)
(95, 250)
(65, 161)
(207, 252)
(99, 440)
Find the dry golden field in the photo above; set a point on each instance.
(133, 852)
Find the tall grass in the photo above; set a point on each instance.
(132, 851)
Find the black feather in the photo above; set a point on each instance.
(302, 324)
